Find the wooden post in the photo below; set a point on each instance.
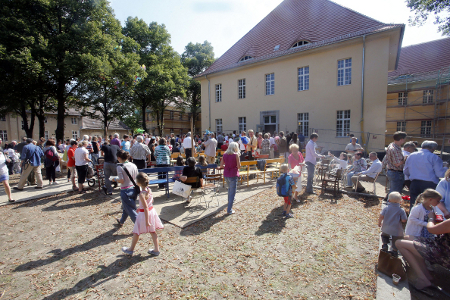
(192, 136)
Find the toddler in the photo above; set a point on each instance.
(418, 217)
(392, 216)
(202, 162)
(286, 182)
(147, 220)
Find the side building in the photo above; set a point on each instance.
(175, 121)
(308, 66)
(75, 126)
(419, 92)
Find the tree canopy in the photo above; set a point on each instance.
(423, 8)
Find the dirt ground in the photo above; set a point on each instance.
(67, 247)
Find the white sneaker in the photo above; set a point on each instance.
(55, 182)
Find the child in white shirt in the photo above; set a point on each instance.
(418, 217)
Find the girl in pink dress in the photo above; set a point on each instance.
(147, 220)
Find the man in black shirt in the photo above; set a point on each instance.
(109, 153)
(192, 171)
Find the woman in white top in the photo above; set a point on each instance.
(128, 194)
(81, 164)
(4, 175)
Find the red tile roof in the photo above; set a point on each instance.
(423, 58)
(321, 22)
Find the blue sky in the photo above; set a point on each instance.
(223, 23)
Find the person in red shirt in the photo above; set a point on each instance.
(71, 163)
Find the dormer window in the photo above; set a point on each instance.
(245, 58)
(300, 43)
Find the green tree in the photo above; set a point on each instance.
(196, 58)
(166, 78)
(423, 8)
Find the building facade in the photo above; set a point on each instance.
(297, 74)
(175, 121)
(75, 126)
(419, 92)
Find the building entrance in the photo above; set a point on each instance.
(270, 124)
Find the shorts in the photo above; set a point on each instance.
(287, 200)
(82, 173)
(4, 177)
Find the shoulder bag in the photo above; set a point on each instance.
(388, 264)
(137, 189)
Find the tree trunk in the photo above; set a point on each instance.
(28, 129)
(61, 110)
(144, 125)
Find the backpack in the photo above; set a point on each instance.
(51, 156)
(283, 186)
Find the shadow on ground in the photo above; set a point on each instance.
(58, 254)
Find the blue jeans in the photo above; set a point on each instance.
(94, 158)
(310, 167)
(349, 178)
(396, 180)
(232, 187)
(128, 197)
(417, 187)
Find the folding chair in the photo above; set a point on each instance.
(213, 187)
(374, 183)
(200, 191)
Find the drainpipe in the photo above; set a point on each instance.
(362, 91)
(209, 101)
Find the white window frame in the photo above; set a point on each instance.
(181, 116)
(4, 135)
(428, 96)
(46, 134)
(74, 120)
(401, 126)
(343, 123)
(303, 79)
(425, 128)
(241, 88)
(219, 92)
(3, 118)
(270, 84)
(403, 98)
(242, 124)
(303, 123)
(344, 71)
(219, 127)
(75, 134)
(171, 115)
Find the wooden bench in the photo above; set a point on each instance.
(168, 171)
(273, 166)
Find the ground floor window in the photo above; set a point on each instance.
(303, 123)
(3, 135)
(425, 129)
(218, 125)
(46, 134)
(242, 124)
(74, 134)
(343, 123)
(401, 126)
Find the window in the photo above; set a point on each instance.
(74, 134)
(22, 125)
(171, 115)
(270, 84)
(425, 129)
(218, 125)
(299, 43)
(2, 118)
(303, 79)
(303, 123)
(428, 96)
(345, 71)
(219, 92)
(3, 135)
(241, 88)
(402, 98)
(401, 126)
(343, 123)
(270, 120)
(46, 135)
(45, 119)
(74, 120)
(247, 57)
(181, 116)
(242, 124)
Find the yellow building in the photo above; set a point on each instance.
(75, 126)
(175, 121)
(418, 93)
(308, 66)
